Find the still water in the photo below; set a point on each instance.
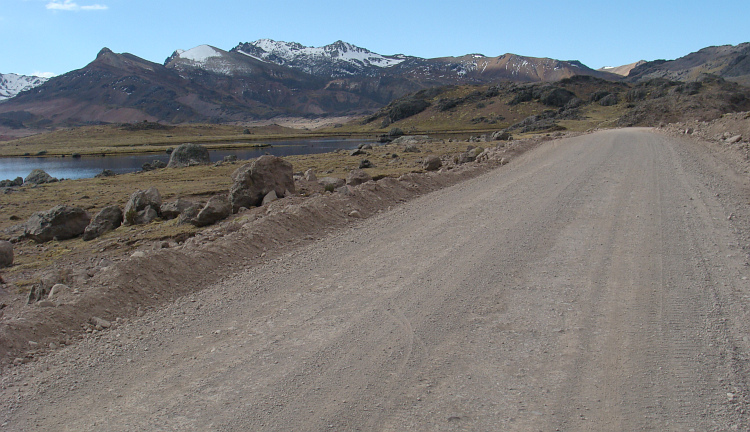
(89, 166)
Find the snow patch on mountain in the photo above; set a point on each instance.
(200, 53)
(12, 84)
(207, 58)
(335, 60)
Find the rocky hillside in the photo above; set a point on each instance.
(727, 61)
(578, 103)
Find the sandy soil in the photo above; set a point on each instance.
(595, 283)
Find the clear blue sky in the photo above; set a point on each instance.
(57, 36)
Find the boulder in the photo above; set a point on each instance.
(365, 163)
(411, 148)
(136, 209)
(269, 198)
(189, 155)
(331, 182)
(18, 181)
(39, 176)
(310, 175)
(105, 173)
(735, 139)
(217, 208)
(357, 177)
(187, 215)
(173, 209)
(357, 152)
(59, 223)
(608, 100)
(254, 180)
(108, 219)
(230, 158)
(6, 253)
(432, 163)
(501, 136)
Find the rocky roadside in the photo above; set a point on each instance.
(104, 289)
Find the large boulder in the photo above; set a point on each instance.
(189, 155)
(357, 177)
(108, 219)
(142, 207)
(18, 181)
(39, 176)
(58, 223)
(216, 209)
(6, 253)
(173, 209)
(256, 179)
(432, 163)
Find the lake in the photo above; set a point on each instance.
(89, 166)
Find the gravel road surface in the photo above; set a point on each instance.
(595, 283)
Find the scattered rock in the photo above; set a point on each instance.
(60, 223)
(39, 176)
(142, 207)
(230, 158)
(105, 173)
(108, 219)
(331, 182)
(173, 209)
(187, 215)
(501, 136)
(357, 177)
(189, 155)
(217, 208)
(357, 152)
(310, 175)
(100, 322)
(59, 290)
(432, 163)
(18, 181)
(411, 148)
(253, 181)
(6, 253)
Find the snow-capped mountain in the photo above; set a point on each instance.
(339, 59)
(208, 58)
(11, 84)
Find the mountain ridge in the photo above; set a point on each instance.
(267, 78)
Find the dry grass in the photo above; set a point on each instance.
(193, 183)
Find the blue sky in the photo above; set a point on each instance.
(57, 36)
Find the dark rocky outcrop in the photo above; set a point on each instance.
(254, 180)
(108, 219)
(189, 155)
(59, 223)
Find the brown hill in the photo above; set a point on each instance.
(727, 61)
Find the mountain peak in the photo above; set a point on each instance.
(338, 59)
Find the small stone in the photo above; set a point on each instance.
(355, 213)
(100, 322)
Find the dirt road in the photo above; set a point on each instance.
(596, 283)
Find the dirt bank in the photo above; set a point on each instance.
(114, 287)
